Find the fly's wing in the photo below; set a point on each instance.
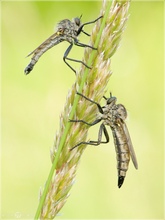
(47, 44)
(130, 146)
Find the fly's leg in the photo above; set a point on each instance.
(65, 57)
(90, 22)
(85, 33)
(98, 142)
(90, 124)
(84, 45)
(98, 105)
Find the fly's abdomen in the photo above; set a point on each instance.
(39, 51)
(123, 158)
(122, 153)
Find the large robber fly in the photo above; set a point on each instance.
(113, 115)
(66, 31)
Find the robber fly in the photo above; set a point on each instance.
(66, 31)
(114, 116)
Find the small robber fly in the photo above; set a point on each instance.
(114, 116)
(66, 31)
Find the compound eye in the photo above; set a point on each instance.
(111, 99)
(77, 21)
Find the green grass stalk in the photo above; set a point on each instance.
(92, 83)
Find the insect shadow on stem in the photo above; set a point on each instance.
(66, 31)
(114, 116)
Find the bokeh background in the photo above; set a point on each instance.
(31, 106)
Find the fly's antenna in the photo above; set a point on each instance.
(106, 97)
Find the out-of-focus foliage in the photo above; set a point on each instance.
(31, 106)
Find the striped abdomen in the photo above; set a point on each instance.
(122, 151)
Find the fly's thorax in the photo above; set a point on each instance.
(108, 117)
(121, 111)
(118, 111)
(100, 116)
(110, 114)
(67, 30)
(62, 25)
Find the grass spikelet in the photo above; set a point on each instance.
(105, 36)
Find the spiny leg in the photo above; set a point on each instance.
(98, 105)
(98, 142)
(101, 130)
(67, 58)
(85, 33)
(66, 54)
(90, 22)
(90, 124)
(84, 45)
(79, 45)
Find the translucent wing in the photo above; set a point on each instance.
(47, 44)
(129, 142)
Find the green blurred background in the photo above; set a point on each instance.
(31, 106)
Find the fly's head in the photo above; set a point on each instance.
(110, 102)
(109, 110)
(77, 21)
(113, 110)
(77, 25)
